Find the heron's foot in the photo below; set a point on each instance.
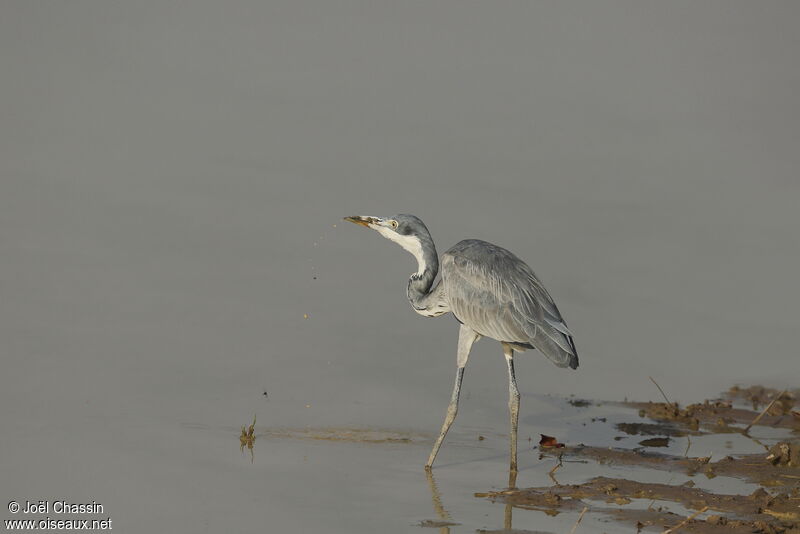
(431, 460)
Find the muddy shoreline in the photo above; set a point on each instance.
(773, 508)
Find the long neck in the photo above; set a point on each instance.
(420, 283)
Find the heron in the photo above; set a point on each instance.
(491, 293)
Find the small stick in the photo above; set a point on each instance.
(578, 522)
(759, 416)
(551, 473)
(683, 523)
(659, 389)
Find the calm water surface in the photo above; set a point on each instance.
(172, 181)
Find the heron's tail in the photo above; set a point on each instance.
(557, 346)
(573, 361)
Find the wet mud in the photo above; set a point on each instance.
(773, 508)
(354, 435)
(778, 467)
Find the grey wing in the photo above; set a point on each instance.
(498, 295)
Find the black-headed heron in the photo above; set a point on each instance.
(491, 292)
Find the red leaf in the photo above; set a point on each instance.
(549, 441)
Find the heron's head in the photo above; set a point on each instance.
(408, 231)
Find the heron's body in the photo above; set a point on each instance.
(491, 292)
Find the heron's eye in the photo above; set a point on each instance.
(394, 224)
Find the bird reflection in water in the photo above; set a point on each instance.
(445, 520)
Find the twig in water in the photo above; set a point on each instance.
(688, 446)
(248, 439)
(659, 389)
(683, 523)
(578, 522)
(551, 473)
(762, 414)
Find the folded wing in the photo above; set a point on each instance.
(498, 295)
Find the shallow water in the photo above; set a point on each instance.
(172, 182)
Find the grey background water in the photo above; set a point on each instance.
(172, 181)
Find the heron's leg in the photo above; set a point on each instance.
(466, 337)
(452, 410)
(513, 403)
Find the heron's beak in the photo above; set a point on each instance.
(363, 220)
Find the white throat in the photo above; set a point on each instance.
(410, 243)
